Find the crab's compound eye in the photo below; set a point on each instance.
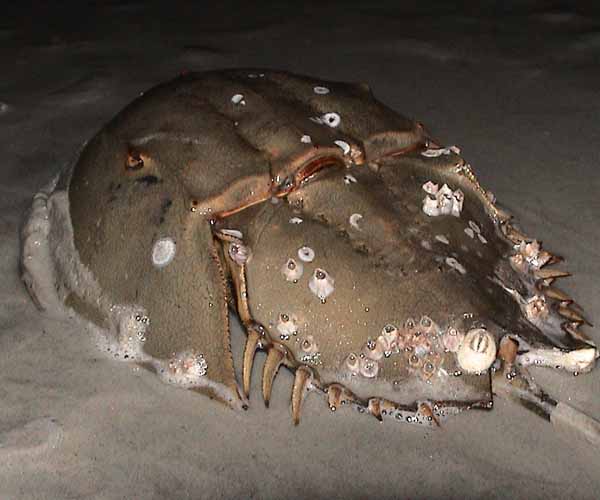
(331, 119)
(163, 252)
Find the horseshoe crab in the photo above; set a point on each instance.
(355, 249)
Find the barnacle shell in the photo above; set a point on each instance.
(239, 253)
(321, 284)
(477, 351)
(331, 119)
(292, 270)
(163, 252)
(374, 349)
(343, 145)
(369, 368)
(352, 363)
(354, 219)
(452, 339)
(287, 325)
(308, 345)
(306, 254)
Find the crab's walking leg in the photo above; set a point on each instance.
(257, 335)
(515, 383)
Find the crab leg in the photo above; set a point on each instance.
(516, 384)
(275, 356)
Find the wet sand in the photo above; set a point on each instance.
(516, 89)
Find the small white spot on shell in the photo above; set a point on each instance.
(454, 264)
(442, 239)
(454, 149)
(469, 232)
(473, 225)
(292, 270)
(349, 179)
(306, 139)
(238, 99)
(343, 145)
(306, 254)
(321, 284)
(482, 239)
(163, 252)
(321, 90)
(296, 220)
(233, 232)
(331, 119)
(354, 220)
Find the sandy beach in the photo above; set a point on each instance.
(518, 89)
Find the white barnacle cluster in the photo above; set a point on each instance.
(435, 152)
(320, 283)
(309, 350)
(529, 256)
(360, 364)
(442, 201)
